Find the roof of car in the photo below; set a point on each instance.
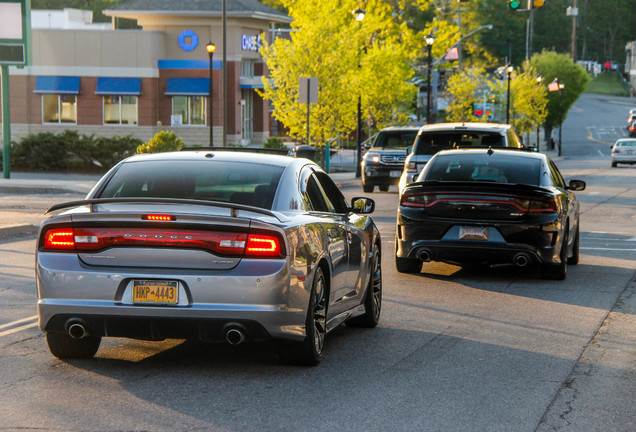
(436, 127)
(508, 150)
(228, 156)
(414, 128)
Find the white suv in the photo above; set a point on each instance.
(432, 138)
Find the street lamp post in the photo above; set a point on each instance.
(509, 70)
(561, 87)
(539, 81)
(358, 14)
(211, 48)
(430, 39)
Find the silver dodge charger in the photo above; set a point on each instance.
(209, 245)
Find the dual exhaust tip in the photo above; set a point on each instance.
(520, 259)
(234, 334)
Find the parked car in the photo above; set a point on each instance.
(624, 151)
(309, 152)
(383, 163)
(209, 245)
(489, 206)
(442, 136)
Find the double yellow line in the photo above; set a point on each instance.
(19, 325)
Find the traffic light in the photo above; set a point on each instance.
(514, 4)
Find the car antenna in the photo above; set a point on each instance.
(490, 151)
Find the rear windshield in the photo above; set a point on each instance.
(432, 142)
(395, 139)
(494, 168)
(239, 183)
(627, 144)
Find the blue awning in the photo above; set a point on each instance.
(188, 87)
(57, 85)
(118, 86)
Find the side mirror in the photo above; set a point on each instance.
(576, 185)
(409, 149)
(362, 205)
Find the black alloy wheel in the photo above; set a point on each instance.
(558, 271)
(373, 297)
(309, 351)
(574, 259)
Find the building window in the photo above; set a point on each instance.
(247, 68)
(192, 109)
(59, 108)
(120, 110)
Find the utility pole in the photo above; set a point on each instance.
(573, 11)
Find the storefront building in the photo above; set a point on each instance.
(138, 82)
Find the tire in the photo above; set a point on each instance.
(384, 188)
(574, 259)
(367, 188)
(557, 271)
(309, 351)
(614, 164)
(373, 297)
(408, 265)
(63, 346)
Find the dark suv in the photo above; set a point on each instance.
(383, 163)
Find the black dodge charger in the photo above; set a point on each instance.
(485, 206)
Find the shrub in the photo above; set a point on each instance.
(163, 141)
(44, 151)
(274, 143)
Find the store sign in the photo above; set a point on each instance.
(251, 43)
(188, 40)
(15, 23)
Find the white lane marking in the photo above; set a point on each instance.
(17, 329)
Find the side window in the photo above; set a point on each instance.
(335, 199)
(557, 178)
(315, 195)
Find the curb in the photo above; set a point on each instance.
(17, 230)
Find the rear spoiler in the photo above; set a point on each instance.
(133, 200)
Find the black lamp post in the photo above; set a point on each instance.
(561, 87)
(539, 81)
(359, 16)
(211, 48)
(430, 39)
(509, 70)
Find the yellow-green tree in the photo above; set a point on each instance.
(529, 100)
(466, 89)
(372, 59)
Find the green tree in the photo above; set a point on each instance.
(372, 59)
(466, 88)
(552, 66)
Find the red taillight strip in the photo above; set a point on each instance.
(511, 200)
(220, 242)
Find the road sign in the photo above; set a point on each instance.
(308, 90)
(15, 28)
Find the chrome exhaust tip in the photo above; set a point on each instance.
(424, 255)
(234, 336)
(77, 330)
(521, 260)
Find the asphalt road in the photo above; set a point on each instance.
(457, 349)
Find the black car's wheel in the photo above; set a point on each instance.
(63, 346)
(614, 164)
(373, 297)
(574, 259)
(557, 271)
(309, 351)
(408, 265)
(367, 188)
(384, 188)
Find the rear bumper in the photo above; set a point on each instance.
(268, 304)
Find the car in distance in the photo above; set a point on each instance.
(442, 136)
(489, 206)
(209, 245)
(383, 163)
(624, 151)
(631, 129)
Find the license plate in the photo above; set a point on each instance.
(155, 291)
(473, 233)
(395, 173)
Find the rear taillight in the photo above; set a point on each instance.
(219, 242)
(525, 204)
(616, 151)
(262, 245)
